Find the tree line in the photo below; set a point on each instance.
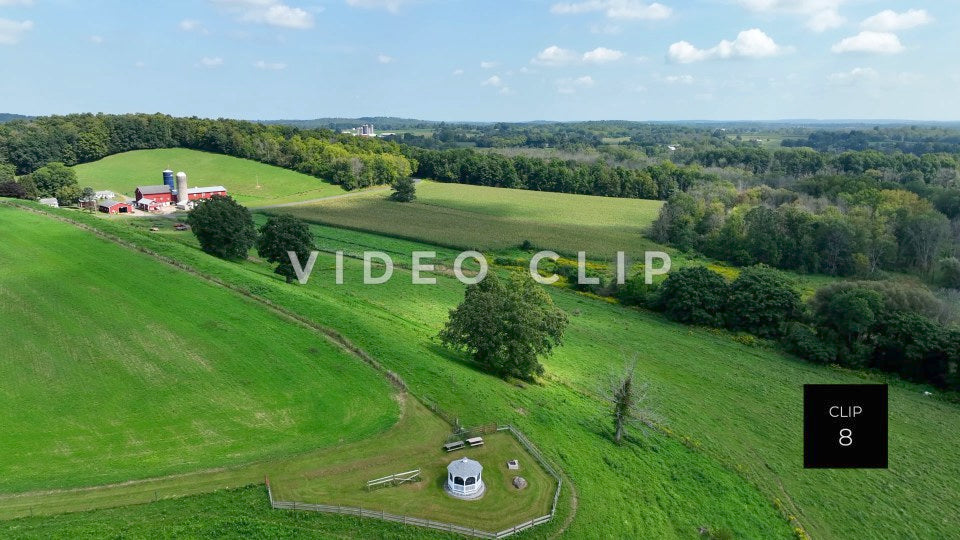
(858, 229)
(352, 162)
(888, 326)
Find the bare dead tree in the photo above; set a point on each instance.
(629, 400)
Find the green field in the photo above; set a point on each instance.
(250, 182)
(490, 219)
(118, 367)
(729, 455)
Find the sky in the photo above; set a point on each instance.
(484, 60)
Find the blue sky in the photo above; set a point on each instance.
(484, 60)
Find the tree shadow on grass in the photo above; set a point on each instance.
(458, 357)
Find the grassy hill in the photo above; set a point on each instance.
(122, 173)
(486, 218)
(119, 367)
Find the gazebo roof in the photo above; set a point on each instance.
(465, 468)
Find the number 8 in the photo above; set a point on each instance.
(846, 439)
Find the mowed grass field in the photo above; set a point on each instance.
(122, 173)
(493, 219)
(116, 367)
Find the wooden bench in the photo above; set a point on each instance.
(456, 445)
(475, 441)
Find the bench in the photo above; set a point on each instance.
(475, 441)
(450, 447)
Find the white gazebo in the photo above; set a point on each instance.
(465, 478)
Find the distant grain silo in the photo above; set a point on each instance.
(168, 180)
(182, 195)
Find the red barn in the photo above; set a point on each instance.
(158, 194)
(109, 206)
(205, 192)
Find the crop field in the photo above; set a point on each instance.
(491, 219)
(728, 454)
(250, 182)
(90, 328)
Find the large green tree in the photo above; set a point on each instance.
(223, 227)
(281, 235)
(53, 177)
(693, 295)
(404, 190)
(762, 301)
(506, 325)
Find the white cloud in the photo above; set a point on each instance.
(555, 56)
(870, 42)
(891, 21)
(270, 12)
(570, 85)
(614, 9)
(489, 64)
(384, 59)
(457, 72)
(753, 43)
(821, 15)
(827, 19)
(96, 40)
(393, 6)
(854, 76)
(496, 82)
(190, 25)
(12, 31)
(274, 66)
(558, 56)
(678, 79)
(211, 61)
(602, 55)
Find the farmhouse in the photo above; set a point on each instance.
(110, 206)
(162, 195)
(50, 202)
(465, 478)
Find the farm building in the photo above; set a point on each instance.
(50, 202)
(162, 195)
(110, 206)
(205, 192)
(149, 205)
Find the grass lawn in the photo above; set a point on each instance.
(338, 476)
(117, 367)
(122, 173)
(492, 219)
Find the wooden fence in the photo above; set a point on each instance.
(394, 479)
(429, 523)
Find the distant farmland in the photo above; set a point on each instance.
(486, 218)
(121, 173)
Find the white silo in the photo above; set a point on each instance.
(182, 195)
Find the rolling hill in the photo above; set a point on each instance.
(250, 182)
(120, 367)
